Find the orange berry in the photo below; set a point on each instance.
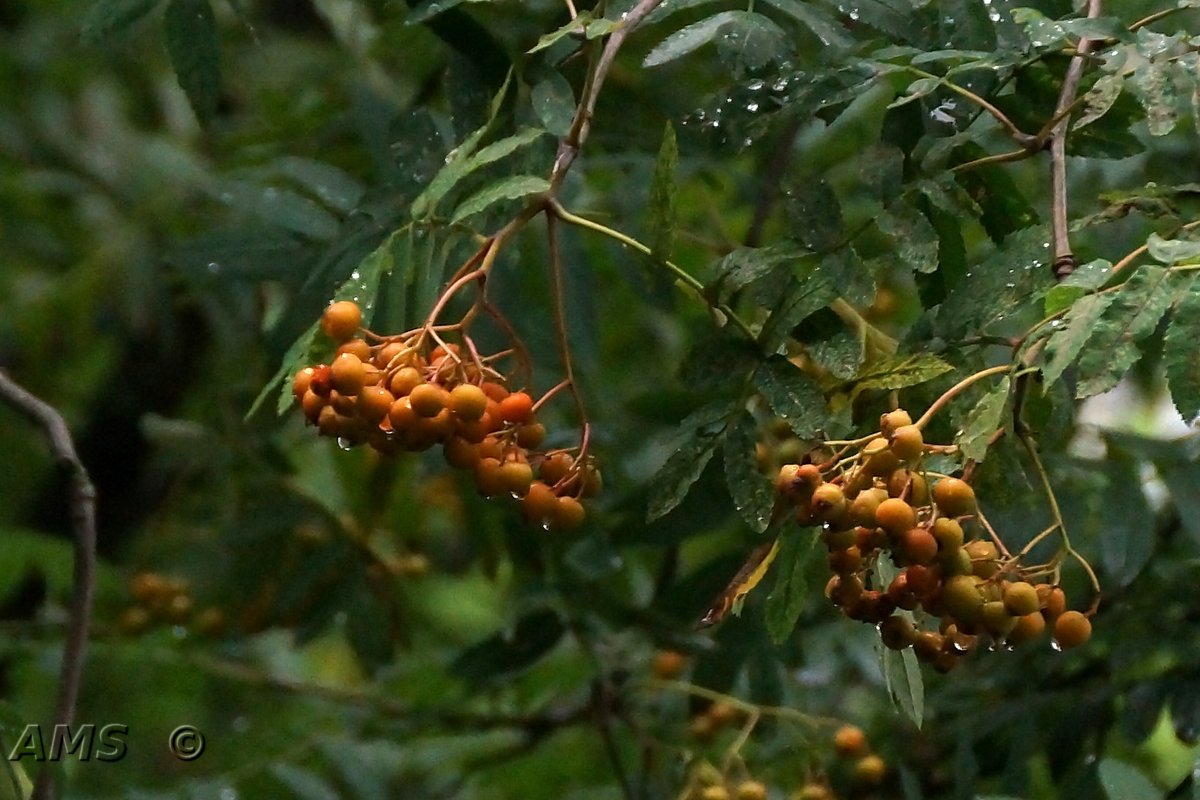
(668, 664)
(1072, 629)
(919, 546)
(568, 514)
(460, 453)
(751, 790)
(531, 435)
(895, 516)
(468, 401)
(850, 740)
(554, 467)
(312, 404)
(907, 444)
(488, 478)
(347, 374)
(1021, 598)
(401, 415)
(494, 391)
(954, 497)
(320, 381)
(341, 320)
(1028, 628)
(405, 380)
(540, 503)
(1052, 600)
(301, 382)
(374, 402)
(889, 422)
(357, 347)
(517, 407)
(428, 399)
(516, 476)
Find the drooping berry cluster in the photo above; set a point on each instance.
(409, 393)
(878, 504)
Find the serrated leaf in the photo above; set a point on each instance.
(841, 353)
(983, 421)
(1099, 99)
(671, 483)
(743, 265)
(915, 91)
(718, 361)
(1011, 277)
(663, 191)
(1133, 315)
(107, 17)
(1066, 343)
(813, 212)
(190, 34)
(806, 293)
(283, 207)
(331, 185)
(788, 596)
(916, 242)
(905, 685)
(1181, 355)
(1157, 93)
(1086, 278)
(899, 372)
(1172, 251)
(792, 394)
(824, 27)
(463, 162)
(511, 188)
(684, 41)
(553, 102)
(750, 41)
(577, 25)
(751, 490)
(1123, 782)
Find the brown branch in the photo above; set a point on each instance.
(83, 525)
(569, 147)
(1064, 260)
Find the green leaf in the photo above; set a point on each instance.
(1172, 251)
(510, 652)
(983, 421)
(1086, 278)
(792, 394)
(1181, 355)
(824, 27)
(704, 430)
(899, 372)
(1068, 340)
(575, 26)
(718, 361)
(107, 17)
(1123, 782)
(463, 160)
(905, 685)
(553, 102)
(332, 186)
(1139, 305)
(283, 207)
(1157, 93)
(684, 41)
(806, 293)
(190, 33)
(751, 490)
(813, 212)
(915, 91)
(663, 190)
(511, 188)
(743, 265)
(788, 596)
(436, 7)
(1099, 99)
(1011, 277)
(750, 41)
(916, 241)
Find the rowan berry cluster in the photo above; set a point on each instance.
(162, 600)
(878, 504)
(414, 391)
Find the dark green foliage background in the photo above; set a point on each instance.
(185, 184)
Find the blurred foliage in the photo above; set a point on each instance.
(185, 184)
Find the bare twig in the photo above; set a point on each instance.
(83, 525)
(1064, 259)
(569, 147)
